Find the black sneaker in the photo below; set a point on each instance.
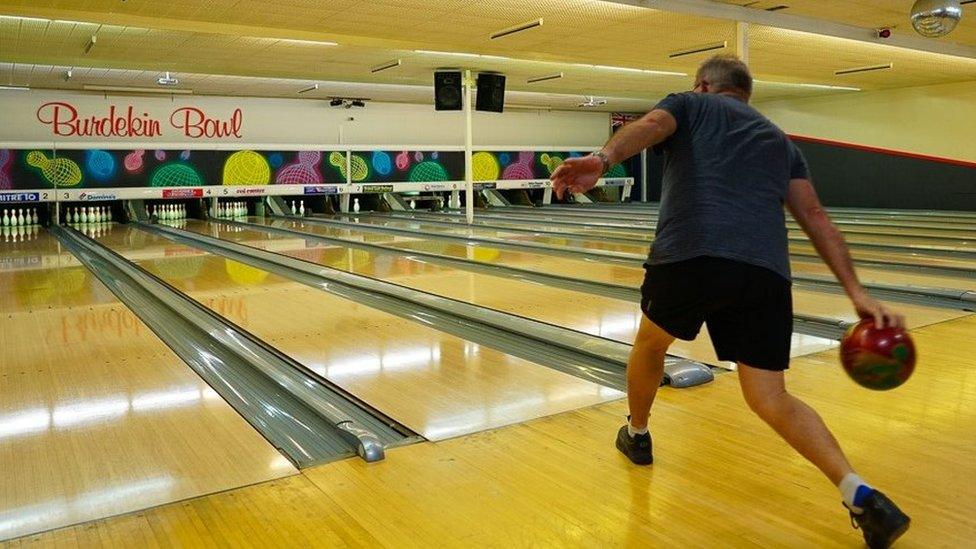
(638, 448)
(882, 522)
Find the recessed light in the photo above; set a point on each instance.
(869, 68)
(544, 78)
(516, 29)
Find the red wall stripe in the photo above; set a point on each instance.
(890, 152)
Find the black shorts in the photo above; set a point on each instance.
(748, 309)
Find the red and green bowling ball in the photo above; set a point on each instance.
(877, 358)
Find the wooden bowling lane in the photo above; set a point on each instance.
(961, 240)
(97, 416)
(437, 385)
(600, 316)
(720, 478)
(821, 304)
(639, 217)
(893, 277)
(516, 237)
(880, 275)
(908, 256)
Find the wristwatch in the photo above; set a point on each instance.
(606, 161)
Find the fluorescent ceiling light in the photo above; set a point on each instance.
(587, 65)
(536, 79)
(44, 20)
(804, 85)
(699, 49)
(309, 42)
(459, 54)
(91, 43)
(388, 65)
(15, 88)
(864, 69)
(21, 18)
(629, 69)
(313, 87)
(515, 29)
(128, 89)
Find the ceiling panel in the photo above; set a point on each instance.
(246, 38)
(871, 14)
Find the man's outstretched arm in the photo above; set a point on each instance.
(579, 175)
(803, 203)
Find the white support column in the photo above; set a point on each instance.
(742, 41)
(345, 199)
(468, 146)
(643, 172)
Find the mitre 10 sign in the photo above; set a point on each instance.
(65, 120)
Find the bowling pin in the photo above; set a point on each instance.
(6, 218)
(413, 205)
(294, 210)
(20, 217)
(355, 205)
(301, 209)
(34, 219)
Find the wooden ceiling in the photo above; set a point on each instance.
(270, 46)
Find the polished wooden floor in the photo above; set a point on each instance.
(721, 478)
(97, 416)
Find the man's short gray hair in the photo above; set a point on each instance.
(726, 73)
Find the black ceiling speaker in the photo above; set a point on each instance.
(447, 90)
(491, 92)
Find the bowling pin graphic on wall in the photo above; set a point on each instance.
(551, 162)
(59, 171)
(359, 168)
(522, 168)
(304, 170)
(133, 161)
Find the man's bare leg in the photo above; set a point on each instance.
(795, 421)
(645, 370)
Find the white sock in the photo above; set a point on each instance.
(633, 432)
(852, 489)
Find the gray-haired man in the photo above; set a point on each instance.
(720, 257)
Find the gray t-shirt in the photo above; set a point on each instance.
(726, 172)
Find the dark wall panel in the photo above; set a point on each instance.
(859, 177)
(847, 176)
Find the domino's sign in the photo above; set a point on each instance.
(20, 197)
(90, 197)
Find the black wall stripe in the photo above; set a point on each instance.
(850, 177)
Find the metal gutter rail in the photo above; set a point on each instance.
(310, 422)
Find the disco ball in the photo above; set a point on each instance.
(935, 18)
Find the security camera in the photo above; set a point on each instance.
(883, 32)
